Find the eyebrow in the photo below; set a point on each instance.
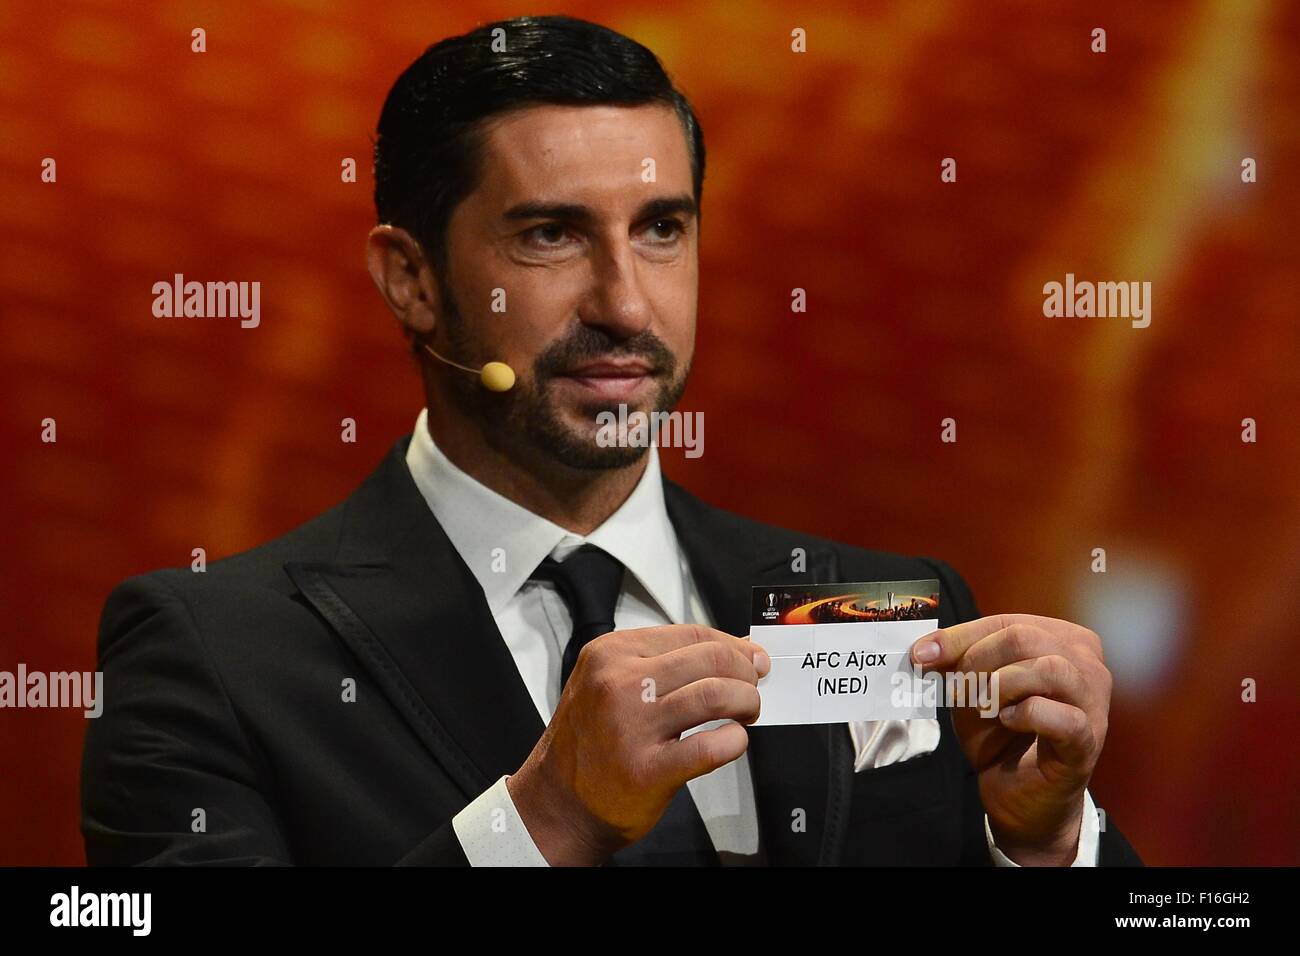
(579, 214)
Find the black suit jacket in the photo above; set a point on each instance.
(224, 705)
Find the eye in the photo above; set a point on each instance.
(546, 234)
(667, 229)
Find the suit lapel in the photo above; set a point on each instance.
(401, 598)
(803, 773)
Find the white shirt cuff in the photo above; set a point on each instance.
(1089, 838)
(492, 833)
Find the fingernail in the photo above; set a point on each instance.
(762, 663)
(1008, 712)
(926, 651)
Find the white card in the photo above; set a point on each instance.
(841, 652)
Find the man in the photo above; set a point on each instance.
(451, 666)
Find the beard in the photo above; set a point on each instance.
(529, 417)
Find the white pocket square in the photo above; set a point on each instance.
(878, 743)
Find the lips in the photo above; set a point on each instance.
(606, 368)
(610, 378)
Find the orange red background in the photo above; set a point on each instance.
(924, 302)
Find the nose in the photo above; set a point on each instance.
(617, 301)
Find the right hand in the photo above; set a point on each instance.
(611, 759)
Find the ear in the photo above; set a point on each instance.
(404, 278)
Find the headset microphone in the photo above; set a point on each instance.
(495, 376)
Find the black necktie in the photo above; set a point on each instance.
(589, 580)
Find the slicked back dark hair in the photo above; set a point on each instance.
(428, 148)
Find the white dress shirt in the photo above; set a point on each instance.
(502, 543)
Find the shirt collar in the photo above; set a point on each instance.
(502, 542)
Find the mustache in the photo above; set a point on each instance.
(589, 344)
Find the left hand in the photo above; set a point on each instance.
(1033, 761)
